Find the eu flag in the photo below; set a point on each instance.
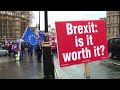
(30, 37)
(41, 36)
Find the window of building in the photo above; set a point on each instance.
(0, 27)
(112, 19)
(108, 31)
(10, 34)
(115, 30)
(11, 13)
(7, 12)
(111, 30)
(108, 20)
(3, 12)
(115, 19)
(15, 13)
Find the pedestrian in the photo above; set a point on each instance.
(30, 50)
(14, 46)
(10, 49)
(39, 52)
(22, 50)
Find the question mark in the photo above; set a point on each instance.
(102, 47)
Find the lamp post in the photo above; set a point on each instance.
(119, 23)
(46, 50)
(39, 21)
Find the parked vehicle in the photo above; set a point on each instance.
(114, 47)
(3, 52)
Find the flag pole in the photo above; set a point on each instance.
(25, 32)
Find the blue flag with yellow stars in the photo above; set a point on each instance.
(30, 37)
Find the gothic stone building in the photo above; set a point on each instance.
(13, 24)
(113, 23)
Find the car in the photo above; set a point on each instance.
(114, 47)
(3, 52)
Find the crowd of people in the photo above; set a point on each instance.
(15, 48)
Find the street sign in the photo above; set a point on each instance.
(81, 41)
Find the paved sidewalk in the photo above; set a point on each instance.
(78, 72)
(28, 68)
(6, 59)
(69, 72)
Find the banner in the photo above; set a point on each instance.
(81, 41)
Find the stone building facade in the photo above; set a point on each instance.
(13, 24)
(113, 23)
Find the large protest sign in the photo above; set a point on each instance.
(81, 41)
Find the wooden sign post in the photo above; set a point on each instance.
(87, 71)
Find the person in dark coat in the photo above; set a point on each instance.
(22, 50)
(10, 49)
(30, 50)
(39, 52)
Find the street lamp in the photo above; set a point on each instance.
(46, 50)
(119, 23)
(46, 21)
(39, 21)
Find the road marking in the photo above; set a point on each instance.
(113, 63)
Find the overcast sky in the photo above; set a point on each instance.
(66, 16)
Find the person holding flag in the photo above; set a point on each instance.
(30, 50)
(39, 52)
(41, 36)
(41, 40)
